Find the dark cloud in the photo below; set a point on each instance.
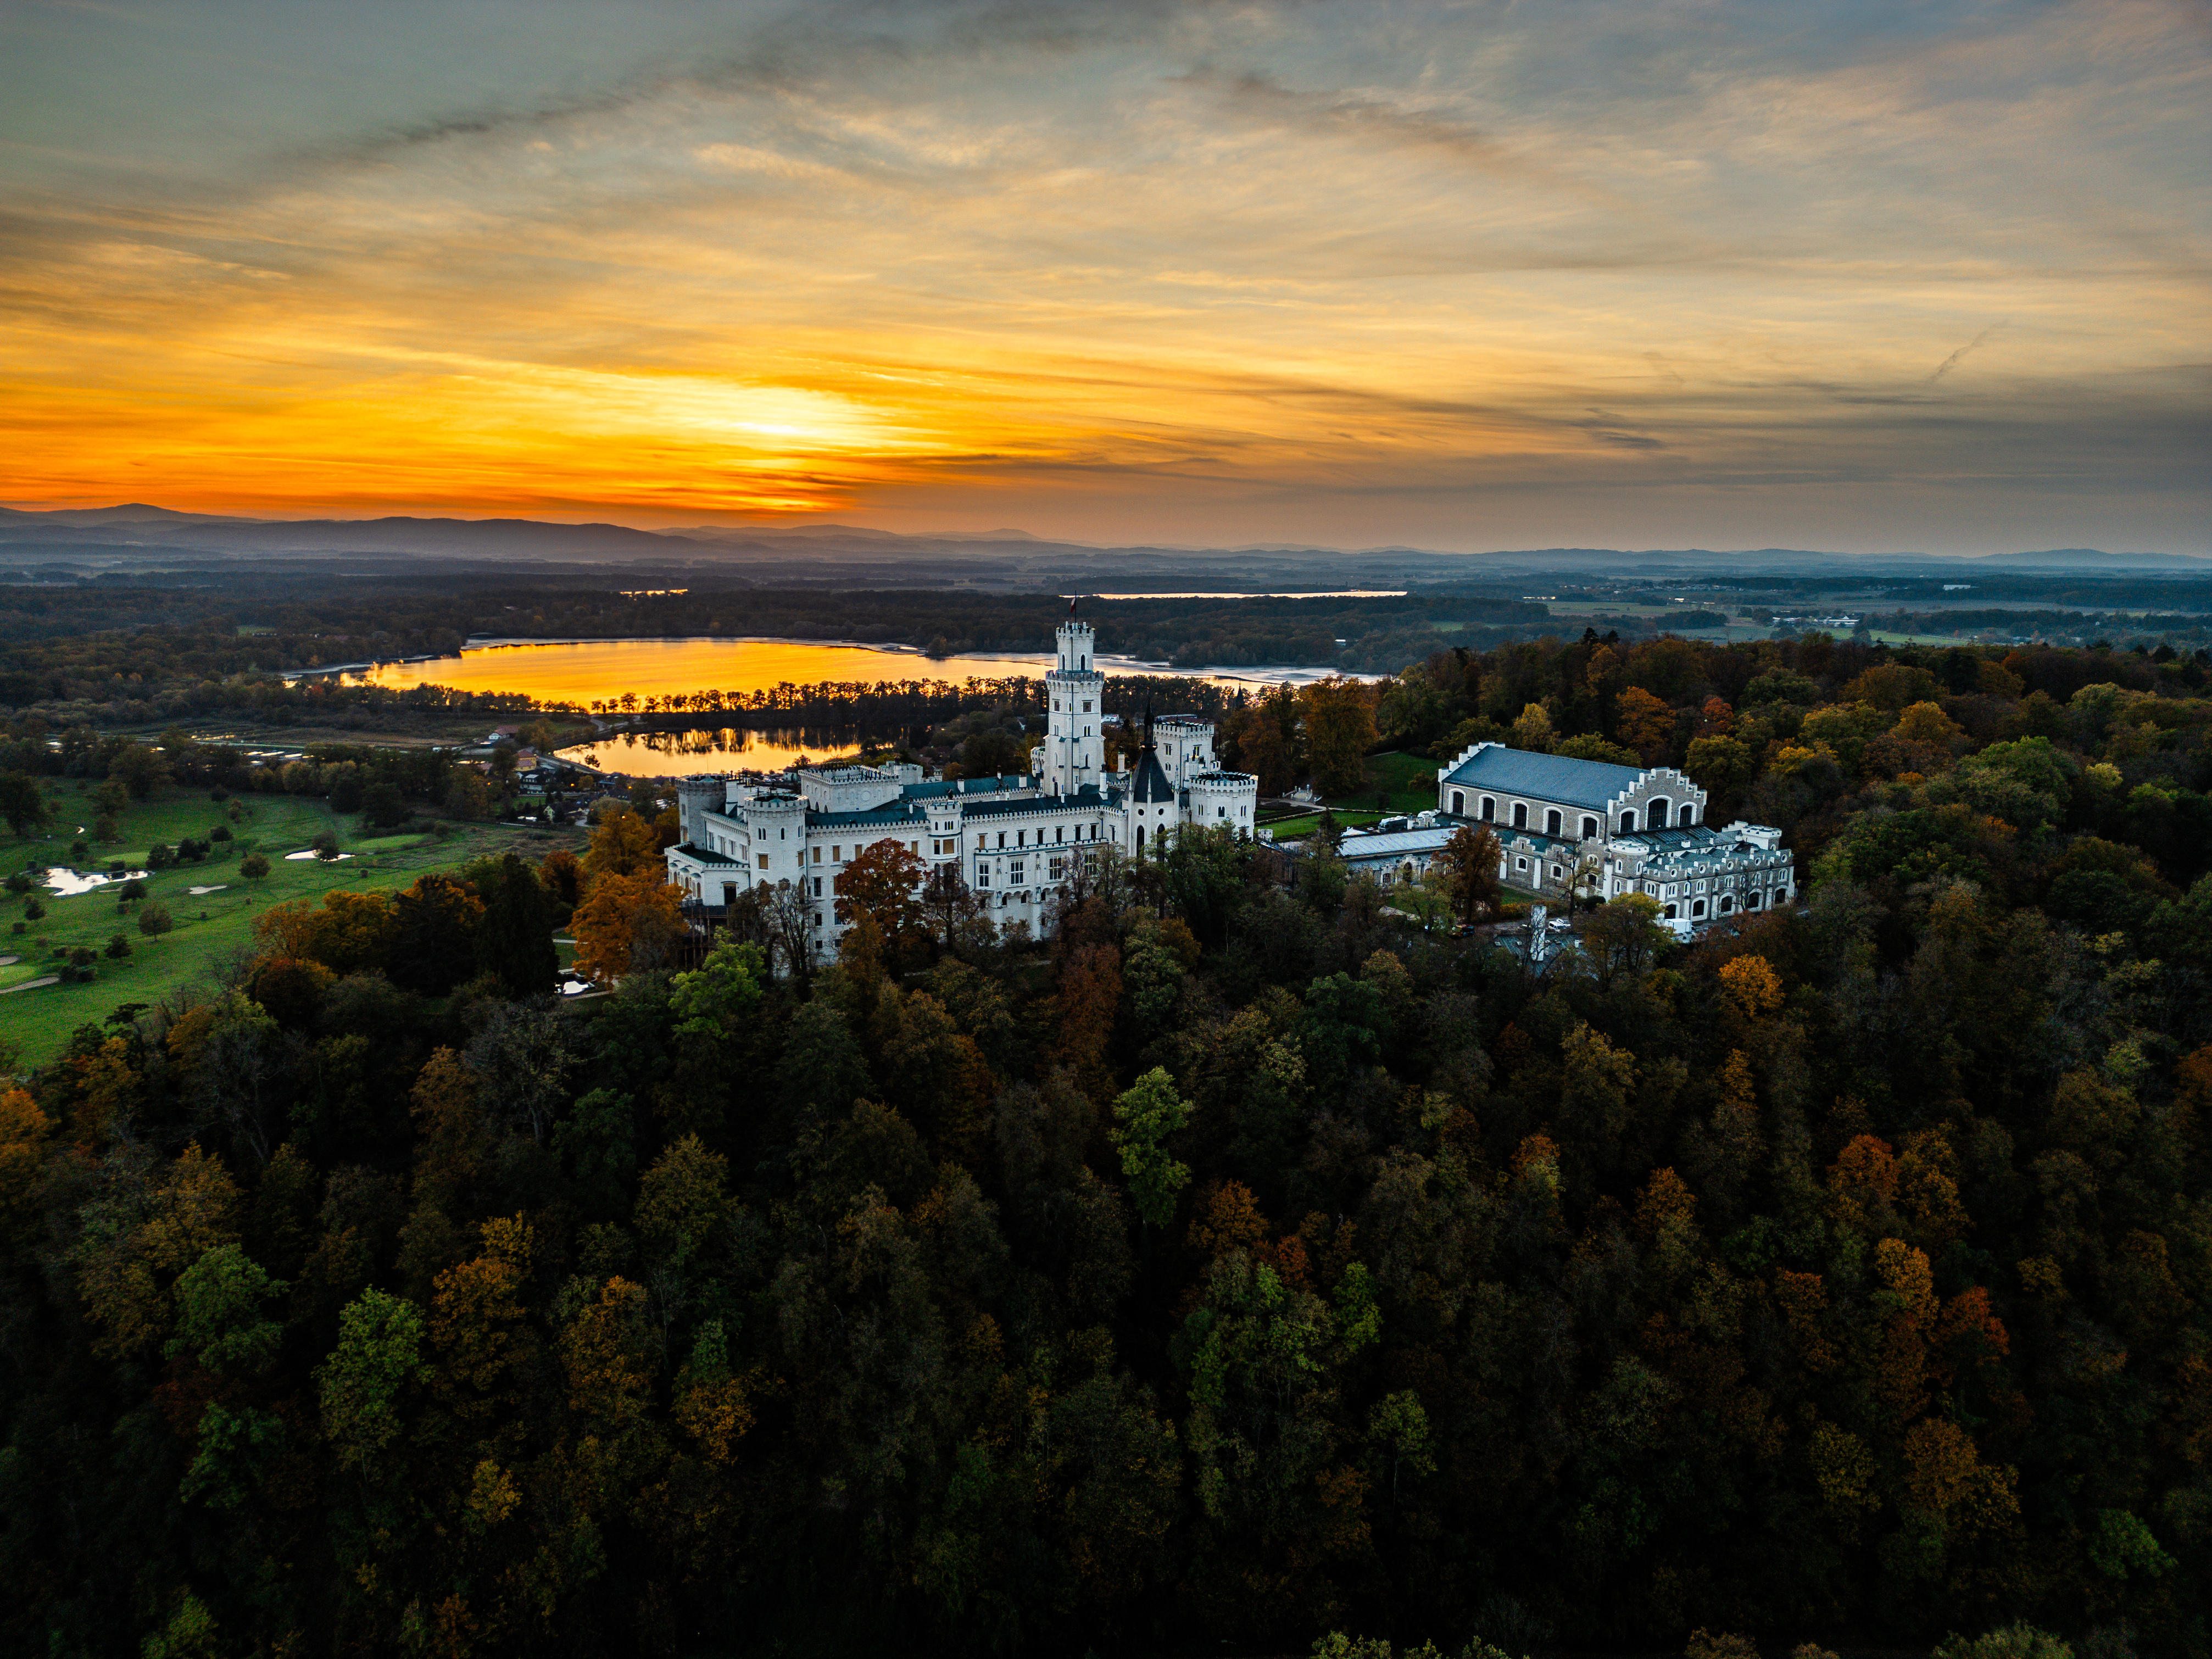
(1960, 355)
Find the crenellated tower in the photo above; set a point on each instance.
(1075, 737)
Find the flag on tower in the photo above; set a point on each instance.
(1071, 605)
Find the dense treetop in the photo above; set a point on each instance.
(1245, 1261)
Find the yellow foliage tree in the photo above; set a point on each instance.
(623, 844)
(626, 923)
(1752, 986)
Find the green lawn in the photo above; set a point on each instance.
(213, 929)
(1407, 783)
(1292, 828)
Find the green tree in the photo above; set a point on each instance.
(20, 802)
(219, 1320)
(1147, 1116)
(514, 935)
(363, 1384)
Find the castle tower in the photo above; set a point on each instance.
(1075, 740)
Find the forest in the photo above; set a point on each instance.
(1244, 1265)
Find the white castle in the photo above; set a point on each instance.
(1012, 839)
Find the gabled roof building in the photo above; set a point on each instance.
(1566, 825)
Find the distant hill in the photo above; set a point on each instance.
(795, 551)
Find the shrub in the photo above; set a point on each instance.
(345, 794)
(253, 866)
(161, 857)
(132, 888)
(118, 947)
(218, 794)
(221, 832)
(80, 850)
(326, 846)
(35, 910)
(154, 921)
(192, 852)
(19, 927)
(21, 882)
(107, 827)
(2012, 1642)
(381, 805)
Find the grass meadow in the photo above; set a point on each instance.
(213, 929)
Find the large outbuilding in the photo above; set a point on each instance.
(1565, 824)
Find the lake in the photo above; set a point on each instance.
(590, 671)
(598, 670)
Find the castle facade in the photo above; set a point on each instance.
(1014, 840)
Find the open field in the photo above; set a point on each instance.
(415, 729)
(212, 928)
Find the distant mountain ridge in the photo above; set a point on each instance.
(141, 528)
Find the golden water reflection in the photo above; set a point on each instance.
(598, 670)
(688, 753)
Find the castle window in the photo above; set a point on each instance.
(1551, 824)
(1628, 821)
(1657, 816)
(1688, 814)
(1520, 815)
(1489, 808)
(764, 858)
(1590, 828)
(1459, 803)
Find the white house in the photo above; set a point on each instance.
(1014, 840)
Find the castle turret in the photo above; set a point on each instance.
(695, 798)
(1075, 741)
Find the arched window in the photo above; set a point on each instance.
(1698, 908)
(1590, 828)
(1727, 903)
(1688, 814)
(1655, 814)
(1551, 825)
(1628, 821)
(1459, 803)
(1520, 815)
(1751, 901)
(1489, 808)
(1671, 912)
(1141, 838)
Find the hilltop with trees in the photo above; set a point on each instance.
(1242, 1263)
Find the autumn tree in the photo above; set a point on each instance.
(1339, 730)
(887, 882)
(627, 924)
(1467, 866)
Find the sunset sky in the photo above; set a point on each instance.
(1866, 275)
